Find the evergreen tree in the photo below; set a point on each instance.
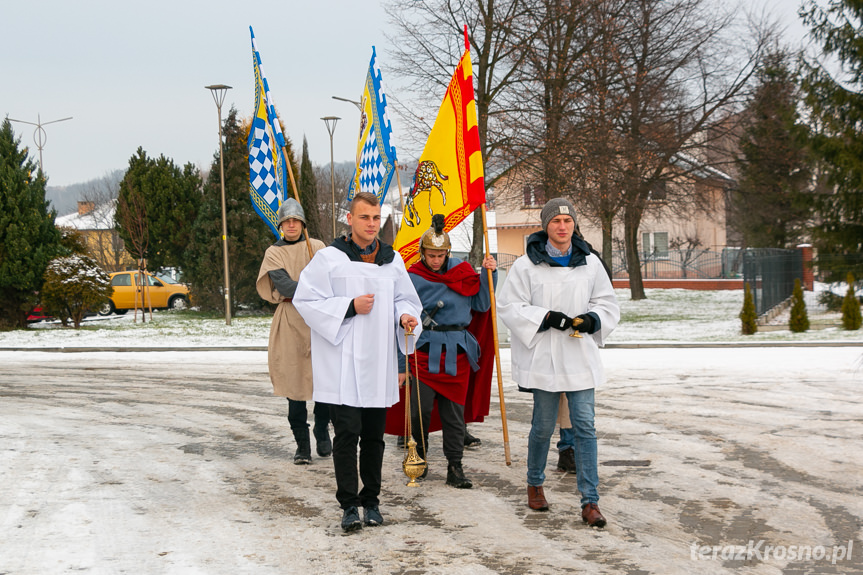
(851, 318)
(309, 194)
(248, 235)
(799, 321)
(748, 315)
(771, 204)
(836, 107)
(172, 196)
(28, 238)
(73, 242)
(73, 286)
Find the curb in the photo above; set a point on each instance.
(633, 345)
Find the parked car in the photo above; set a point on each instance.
(161, 293)
(37, 314)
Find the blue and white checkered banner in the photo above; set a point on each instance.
(267, 169)
(376, 158)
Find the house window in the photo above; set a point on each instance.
(654, 244)
(534, 196)
(658, 192)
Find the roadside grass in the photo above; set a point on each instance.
(678, 315)
(667, 315)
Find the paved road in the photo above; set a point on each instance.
(179, 462)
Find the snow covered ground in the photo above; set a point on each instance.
(667, 315)
(179, 461)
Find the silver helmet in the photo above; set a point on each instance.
(291, 209)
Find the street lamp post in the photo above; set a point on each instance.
(354, 102)
(219, 91)
(39, 135)
(331, 122)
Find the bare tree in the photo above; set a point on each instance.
(554, 35)
(564, 138)
(681, 70)
(132, 215)
(343, 173)
(690, 250)
(428, 45)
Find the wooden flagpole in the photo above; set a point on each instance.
(296, 194)
(401, 195)
(496, 344)
(401, 201)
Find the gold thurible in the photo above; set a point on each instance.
(413, 465)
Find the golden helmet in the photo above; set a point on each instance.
(435, 238)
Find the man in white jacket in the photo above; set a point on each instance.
(554, 293)
(357, 298)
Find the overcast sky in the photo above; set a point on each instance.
(133, 74)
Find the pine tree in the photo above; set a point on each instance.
(771, 204)
(851, 318)
(73, 286)
(799, 321)
(835, 105)
(748, 315)
(309, 195)
(248, 235)
(172, 196)
(28, 238)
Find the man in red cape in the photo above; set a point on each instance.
(456, 329)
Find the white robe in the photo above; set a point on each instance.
(552, 360)
(354, 360)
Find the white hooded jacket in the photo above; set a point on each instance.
(551, 360)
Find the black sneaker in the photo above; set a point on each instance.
(471, 441)
(455, 477)
(372, 516)
(351, 520)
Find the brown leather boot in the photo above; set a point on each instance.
(536, 498)
(590, 514)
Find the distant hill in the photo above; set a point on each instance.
(65, 199)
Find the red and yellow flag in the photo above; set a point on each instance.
(449, 178)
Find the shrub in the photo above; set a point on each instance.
(748, 316)
(73, 286)
(851, 318)
(830, 301)
(799, 321)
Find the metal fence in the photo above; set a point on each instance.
(682, 264)
(672, 264)
(770, 274)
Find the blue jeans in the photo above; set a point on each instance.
(581, 414)
(567, 439)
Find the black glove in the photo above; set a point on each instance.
(587, 323)
(557, 320)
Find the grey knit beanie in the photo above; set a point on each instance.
(556, 207)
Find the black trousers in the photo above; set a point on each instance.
(451, 418)
(298, 415)
(363, 426)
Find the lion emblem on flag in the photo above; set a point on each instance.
(427, 177)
